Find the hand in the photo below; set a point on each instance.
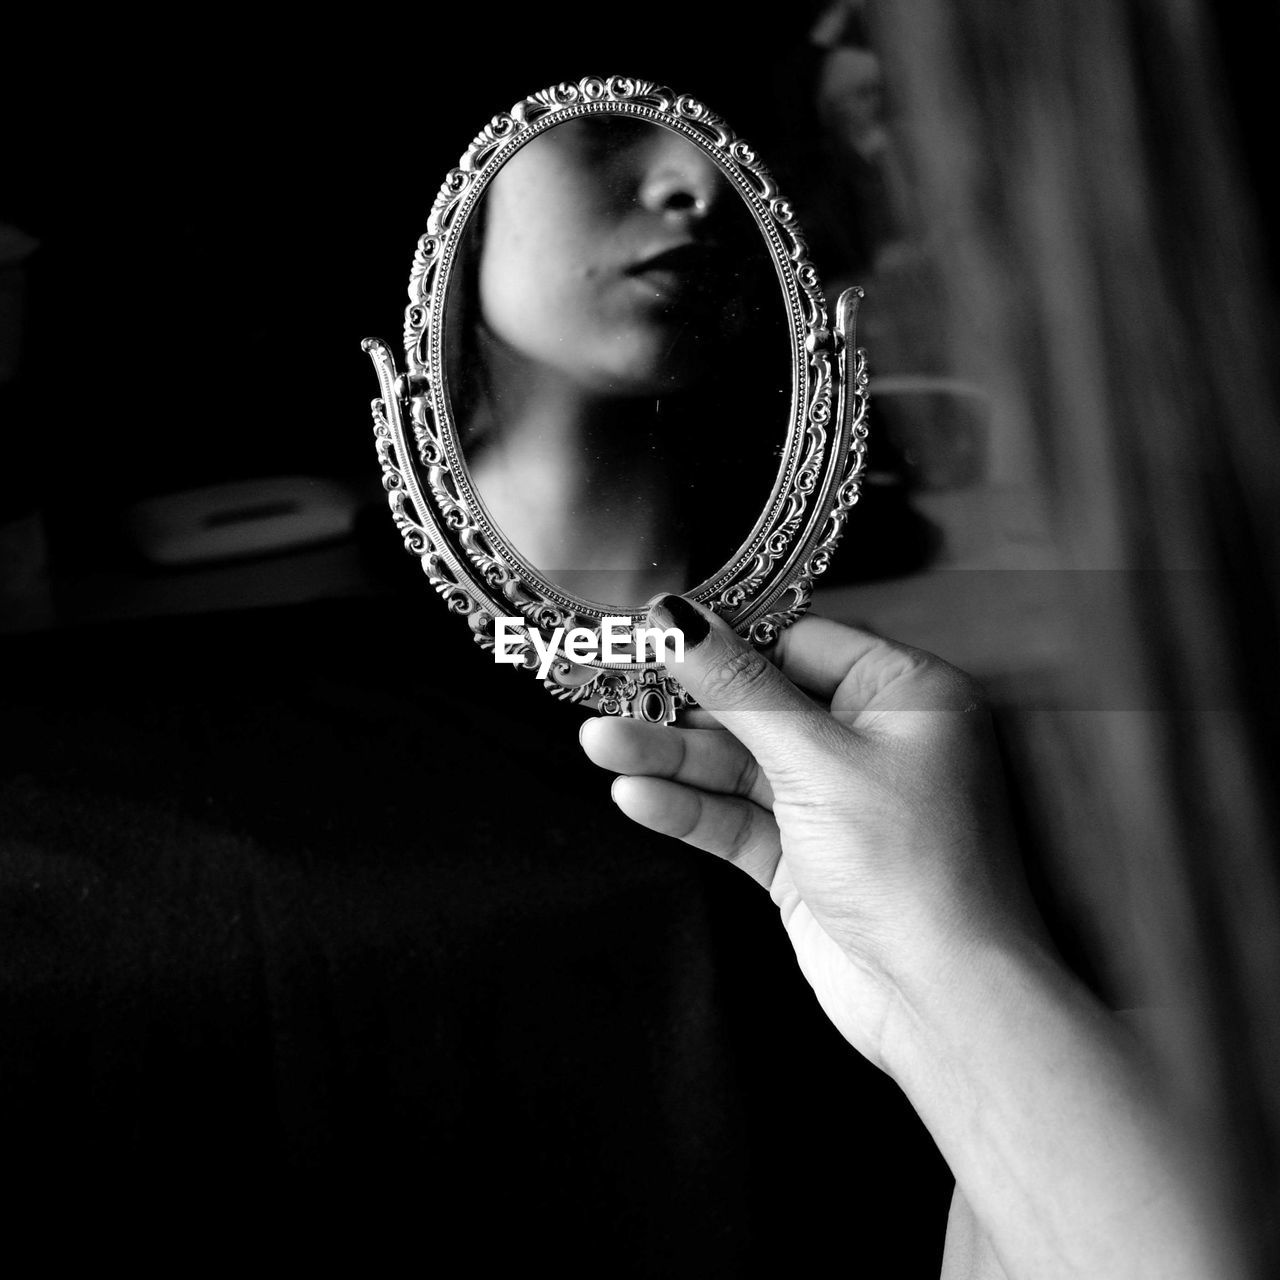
(877, 820)
(878, 825)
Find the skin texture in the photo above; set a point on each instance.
(857, 781)
(913, 859)
(567, 219)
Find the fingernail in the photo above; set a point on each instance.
(676, 611)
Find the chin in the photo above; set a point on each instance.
(661, 368)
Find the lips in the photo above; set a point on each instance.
(690, 259)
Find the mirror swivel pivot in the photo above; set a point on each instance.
(408, 385)
(824, 340)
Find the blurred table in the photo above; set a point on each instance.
(990, 602)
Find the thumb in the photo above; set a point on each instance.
(738, 685)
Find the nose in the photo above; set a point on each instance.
(678, 180)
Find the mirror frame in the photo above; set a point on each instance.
(768, 583)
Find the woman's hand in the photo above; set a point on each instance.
(879, 826)
(875, 817)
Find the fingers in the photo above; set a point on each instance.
(857, 670)
(864, 677)
(696, 718)
(728, 826)
(710, 759)
(742, 689)
(818, 654)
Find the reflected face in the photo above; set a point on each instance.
(611, 250)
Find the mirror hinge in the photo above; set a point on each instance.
(408, 385)
(824, 340)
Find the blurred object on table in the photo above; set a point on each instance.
(241, 519)
(24, 560)
(938, 427)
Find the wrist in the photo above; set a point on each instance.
(946, 997)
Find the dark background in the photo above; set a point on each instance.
(226, 213)
(315, 933)
(318, 939)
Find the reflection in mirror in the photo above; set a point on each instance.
(618, 359)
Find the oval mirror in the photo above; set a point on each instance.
(612, 304)
(619, 380)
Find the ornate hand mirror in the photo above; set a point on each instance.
(619, 380)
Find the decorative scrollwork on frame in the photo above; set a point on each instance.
(769, 582)
(855, 404)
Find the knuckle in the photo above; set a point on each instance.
(690, 820)
(907, 663)
(955, 689)
(738, 838)
(936, 682)
(971, 694)
(680, 747)
(746, 777)
(886, 663)
(748, 773)
(735, 675)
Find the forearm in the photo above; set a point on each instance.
(967, 1254)
(1045, 1109)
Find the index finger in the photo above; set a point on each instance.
(823, 658)
(855, 670)
(818, 654)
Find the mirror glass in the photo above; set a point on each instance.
(618, 359)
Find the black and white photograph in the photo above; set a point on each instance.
(640, 642)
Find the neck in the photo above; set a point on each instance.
(580, 483)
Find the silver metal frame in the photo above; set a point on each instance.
(769, 581)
